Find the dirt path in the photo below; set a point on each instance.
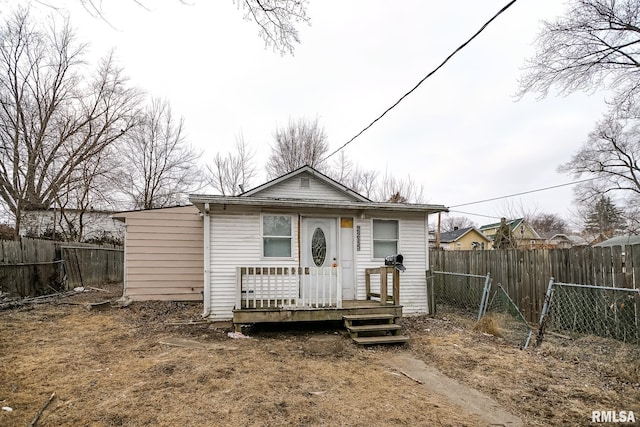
(469, 400)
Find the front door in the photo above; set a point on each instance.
(318, 253)
(318, 242)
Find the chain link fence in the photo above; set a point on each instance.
(507, 319)
(490, 305)
(463, 293)
(576, 310)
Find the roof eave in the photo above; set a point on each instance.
(200, 200)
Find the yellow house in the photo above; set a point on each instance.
(524, 236)
(464, 239)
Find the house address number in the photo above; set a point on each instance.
(358, 238)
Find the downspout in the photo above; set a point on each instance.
(207, 262)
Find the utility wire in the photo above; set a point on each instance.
(462, 46)
(474, 214)
(524, 192)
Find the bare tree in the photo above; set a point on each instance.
(593, 46)
(53, 117)
(364, 182)
(398, 190)
(451, 223)
(545, 223)
(342, 169)
(93, 186)
(302, 142)
(234, 173)
(160, 166)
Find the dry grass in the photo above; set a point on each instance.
(111, 369)
(488, 325)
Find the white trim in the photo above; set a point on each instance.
(273, 258)
(398, 245)
(307, 169)
(207, 262)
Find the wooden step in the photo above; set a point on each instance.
(353, 317)
(387, 339)
(374, 328)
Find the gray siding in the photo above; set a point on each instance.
(291, 188)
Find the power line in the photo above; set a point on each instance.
(524, 192)
(474, 214)
(462, 46)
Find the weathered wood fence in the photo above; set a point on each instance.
(33, 267)
(525, 274)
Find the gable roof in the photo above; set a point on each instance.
(316, 174)
(352, 202)
(452, 236)
(513, 224)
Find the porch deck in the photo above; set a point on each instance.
(282, 314)
(308, 294)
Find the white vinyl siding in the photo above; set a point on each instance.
(236, 241)
(413, 246)
(304, 186)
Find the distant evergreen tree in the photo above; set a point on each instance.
(605, 218)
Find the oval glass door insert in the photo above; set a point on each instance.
(318, 247)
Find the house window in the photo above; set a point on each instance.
(276, 236)
(385, 238)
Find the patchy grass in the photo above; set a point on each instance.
(133, 367)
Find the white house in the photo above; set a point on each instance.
(303, 243)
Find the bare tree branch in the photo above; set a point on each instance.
(277, 21)
(160, 167)
(595, 45)
(233, 174)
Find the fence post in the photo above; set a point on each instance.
(431, 301)
(484, 301)
(544, 314)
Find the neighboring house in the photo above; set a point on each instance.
(464, 239)
(95, 224)
(524, 235)
(558, 241)
(564, 241)
(619, 241)
(163, 253)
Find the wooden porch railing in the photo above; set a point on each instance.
(384, 296)
(288, 287)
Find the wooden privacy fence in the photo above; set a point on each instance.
(525, 274)
(33, 267)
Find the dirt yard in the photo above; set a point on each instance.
(142, 365)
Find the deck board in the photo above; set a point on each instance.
(278, 315)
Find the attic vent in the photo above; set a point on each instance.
(304, 182)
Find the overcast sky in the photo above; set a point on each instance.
(462, 134)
